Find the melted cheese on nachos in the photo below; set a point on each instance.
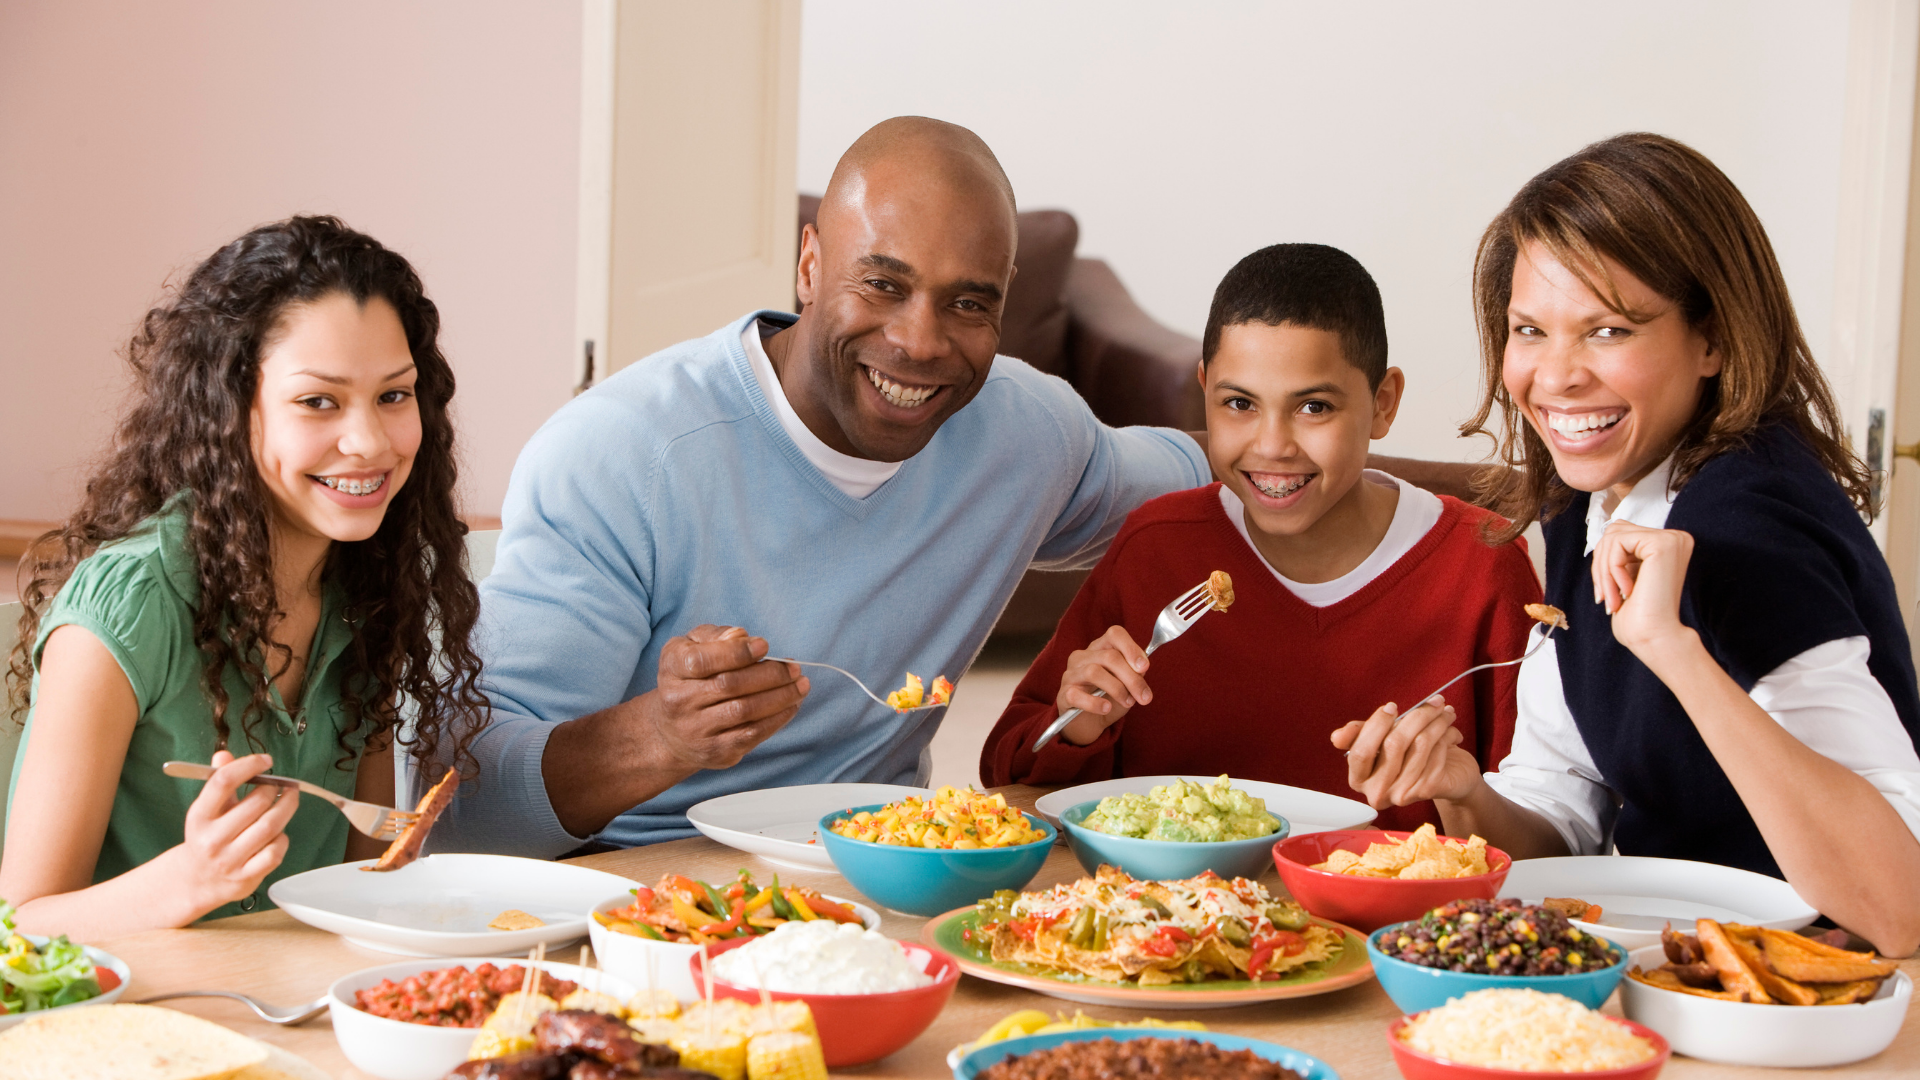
(1114, 928)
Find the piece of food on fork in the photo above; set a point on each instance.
(1220, 589)
(915, 693)
(1549, 614)
(432, 805)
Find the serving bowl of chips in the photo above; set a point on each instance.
(927, 856)
(1368, 878)
(1819, 1010)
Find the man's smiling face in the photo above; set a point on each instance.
(903, 285)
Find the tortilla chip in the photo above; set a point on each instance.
(1476, 856)
(515, 919)
(1340, 862)
(1428, 870)
(1735, 976)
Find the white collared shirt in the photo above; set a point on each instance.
(1417, 512)
(1825, 697)
(858, 477)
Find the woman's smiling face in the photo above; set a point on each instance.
(335, 422)
(1608, 394)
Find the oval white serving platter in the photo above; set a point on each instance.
(1306, 811)
(441, 905)
(781, 825)
(1639, 895)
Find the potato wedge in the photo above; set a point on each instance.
(1735, 977)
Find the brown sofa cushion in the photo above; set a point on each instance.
(1034, 325)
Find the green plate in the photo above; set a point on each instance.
(1349, 967)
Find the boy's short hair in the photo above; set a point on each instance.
(1309, 285)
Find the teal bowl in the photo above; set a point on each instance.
(1415, 988)
(980, 1060)
(1167, 860)
(928, 881)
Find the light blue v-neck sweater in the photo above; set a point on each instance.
(670, 496)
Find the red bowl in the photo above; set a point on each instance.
(856, 1028)
(1367, 903)
(1420, 1065)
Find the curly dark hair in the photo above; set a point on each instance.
(196, 364)
(1670, 217)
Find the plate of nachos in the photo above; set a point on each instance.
(1204, 942)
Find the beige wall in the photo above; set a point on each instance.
(1184, 136)
(135, 138)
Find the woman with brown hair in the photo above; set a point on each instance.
(266, 564)
(1736, 685)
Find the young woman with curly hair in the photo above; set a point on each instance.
(1736, 685)
(267, 563)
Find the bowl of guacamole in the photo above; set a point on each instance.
(1176, 830)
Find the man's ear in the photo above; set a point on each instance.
(1386, 402)
(808, 272)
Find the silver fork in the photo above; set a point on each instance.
(856, 682)
(379, 822)
(272, 1014)
(1537, 646)
(1174, 619)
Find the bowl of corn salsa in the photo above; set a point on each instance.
(946, 867)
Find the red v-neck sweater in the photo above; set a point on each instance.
(1256, 690)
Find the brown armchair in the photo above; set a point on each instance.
(1072, 317)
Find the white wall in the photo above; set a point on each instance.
(1184, 136)
(136, 138)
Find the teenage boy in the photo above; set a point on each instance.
(1352, 586)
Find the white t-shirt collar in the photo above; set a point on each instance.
(1646, 505)
(858, 477)
(1417, 512)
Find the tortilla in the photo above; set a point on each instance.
(125, 1042)
(432, 805)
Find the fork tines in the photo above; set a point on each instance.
(1192, 602)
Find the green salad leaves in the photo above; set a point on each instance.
(34, 977)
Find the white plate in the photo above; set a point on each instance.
(1638, 895)
(397, 1050)
(1306, 811)
(441, 905)
(1778, 1036)
(778, 823)
(101, 959)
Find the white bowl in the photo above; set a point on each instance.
(664, 964)
(1736, 1033)
(101, 959)
(396, 1050)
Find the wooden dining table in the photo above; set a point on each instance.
(272, 957)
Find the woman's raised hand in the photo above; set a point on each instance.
(233, 843)
(1417, 759)
(1112, 662)
(1638, 574)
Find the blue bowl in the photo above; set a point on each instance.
(977, 1062)
(1416, 989)
(929, 881)
(1167, 860)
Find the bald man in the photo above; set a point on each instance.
(862, 485)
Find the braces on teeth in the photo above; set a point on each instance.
(1282, 491)
(353, 487)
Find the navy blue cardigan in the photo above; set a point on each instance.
(1781, 563)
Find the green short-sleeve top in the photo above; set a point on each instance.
(137, 595)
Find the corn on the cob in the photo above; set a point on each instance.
(782, 1016)
(785, 1055)
(493, 1043)
(515, 1016)
(594, 1001)
(723, 1054)
(655, 1029)
(655, 1002)
(729, 1014)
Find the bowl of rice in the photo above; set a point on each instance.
(1491, 1034)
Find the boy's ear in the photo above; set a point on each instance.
(1200, 371)
(1386, 402)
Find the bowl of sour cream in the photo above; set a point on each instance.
(870, 995)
